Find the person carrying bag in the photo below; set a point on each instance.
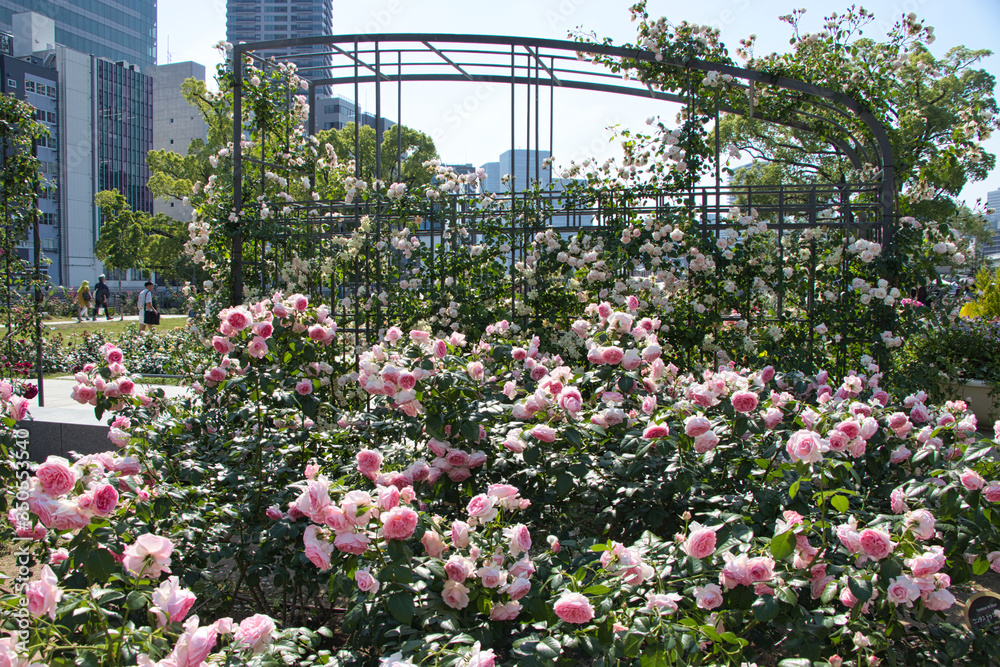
(83, 301)
(148, 315)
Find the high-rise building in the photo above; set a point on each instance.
(175, 122)
(523, 165)
(32, 81)
(336, 113)
(100, 121)
(258, 20)
(119, 30)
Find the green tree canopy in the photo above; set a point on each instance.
(402, 157)
(134, 239)
(936, 109)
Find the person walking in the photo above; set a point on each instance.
(102, 294)
(83, 301)
(148, 315)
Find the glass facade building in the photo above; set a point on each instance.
(124, 132)
(258, 20)
(113, 29)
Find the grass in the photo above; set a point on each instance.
(73, 332)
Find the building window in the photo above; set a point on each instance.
(29, 86)
(12, 83)
(171, 141)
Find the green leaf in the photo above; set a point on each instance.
(401, 607)
(766, 608)
(531, 454)
(564, 484)
(653, 656)
(549, 648)
(783, 545)
(793, 490)
(841, 503)
(861, 589)
(597, 589)
(99, 565)
(135, 600)
(633, 642)
(980, 566)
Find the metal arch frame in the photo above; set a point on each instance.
(533, 48)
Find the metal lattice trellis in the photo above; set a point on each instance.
(533, 70)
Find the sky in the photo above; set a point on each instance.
(464, 121)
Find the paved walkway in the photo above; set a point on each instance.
(60, 407)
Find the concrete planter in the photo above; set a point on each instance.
(977, 394)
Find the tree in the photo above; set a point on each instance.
(936, 110)
(417, 148)
(122, 241)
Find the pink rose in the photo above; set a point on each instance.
(492, 576)
(806, 446)
(433, 543)
(695, 425)
(939, 600)
(612, 355)
(744, 401)
(574, 608)
(105, 500)
(222, 344)
(700, 542)
(992, 492)
(903, 590)
(317, 548)
(927, 563)
(767, 374)
(171, 602)
(458, 568)
(43, 595)
(460, 534)
(255, 633)
(517, 588)
(921, 524)
(304, 387)
(706, 442)
(148, 556)
(56, 476)
(520, 539)
(457, 457)
(655, 431)
(708, 597)
(544, 433)
(366, 582)
(971, 480)
(399, 523)
(369, 462)
(876, 543)
(505, 612)
(351, 543)
(455, 595)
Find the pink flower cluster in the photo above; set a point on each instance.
(456, 463)
(90, 384)
(352, 525)
(66, 496)
(479, 561)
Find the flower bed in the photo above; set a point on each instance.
(459, 502)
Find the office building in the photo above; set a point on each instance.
(175, 122)
(32, 81)
(258, 20)
(119, 30)
(99, 116)
(523, 165)
(336, 113)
